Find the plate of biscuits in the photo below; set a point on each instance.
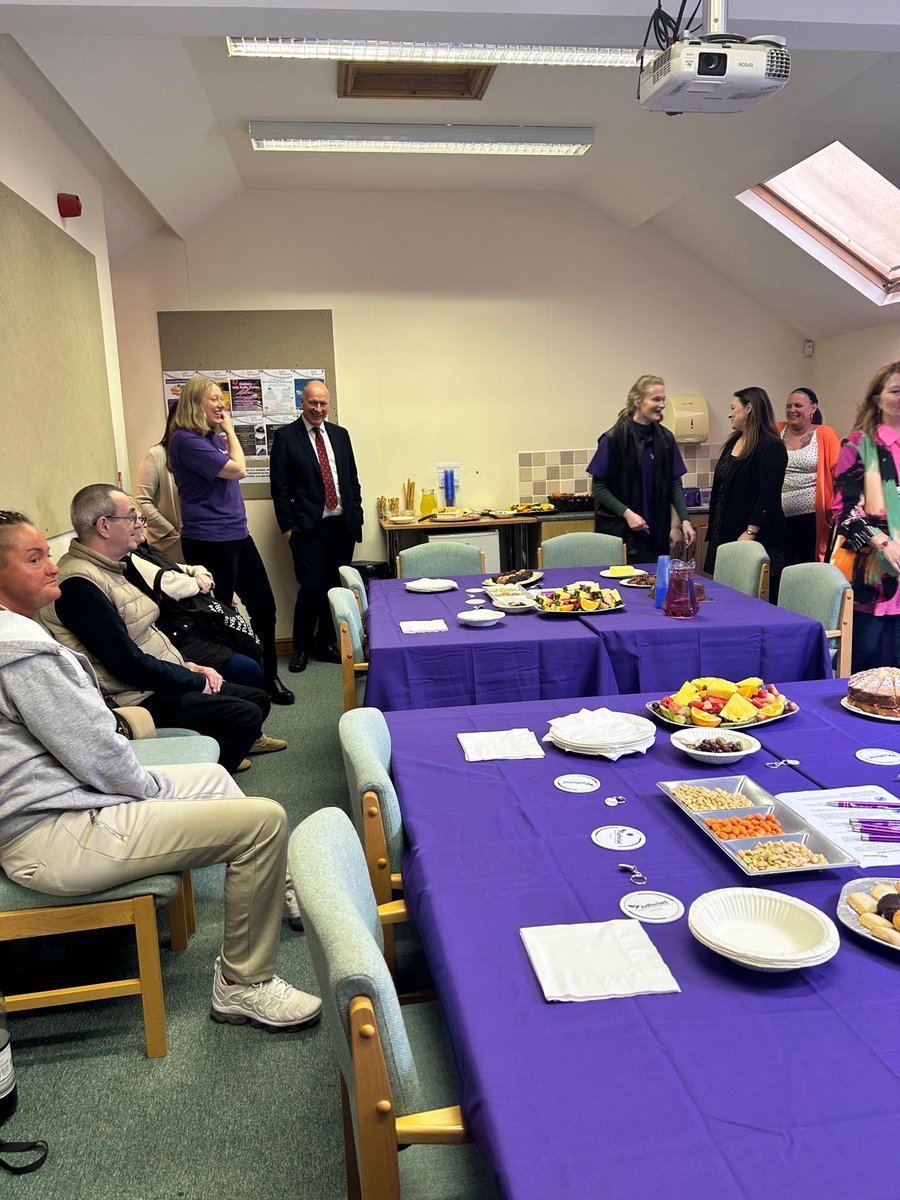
(871, 908)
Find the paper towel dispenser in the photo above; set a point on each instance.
(688, 418)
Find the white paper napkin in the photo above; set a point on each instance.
(423, 626)
(596, 961)
(502, 743)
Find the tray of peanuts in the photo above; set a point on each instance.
(762, 835)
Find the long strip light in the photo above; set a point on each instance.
(476, 54)
(338, 136)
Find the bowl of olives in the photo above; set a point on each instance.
(715, 746)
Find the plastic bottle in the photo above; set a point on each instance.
(662, 580)
(9, 1093)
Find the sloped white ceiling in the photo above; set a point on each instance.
(152, 84)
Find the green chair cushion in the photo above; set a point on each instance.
(163, 888)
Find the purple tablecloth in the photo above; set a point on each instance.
(531, 657)
(744, 1086)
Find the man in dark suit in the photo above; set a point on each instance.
(318, 506)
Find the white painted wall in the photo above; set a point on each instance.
(842, 367)
(467, 327)
(36, 163)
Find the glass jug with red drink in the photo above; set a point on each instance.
(681, 599)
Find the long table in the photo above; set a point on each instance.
(743, 1086)
(533, 657)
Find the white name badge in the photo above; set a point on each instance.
(653, 907)
(618, 837)
(883, 758)
(576, 783)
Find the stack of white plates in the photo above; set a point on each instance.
(431, 585)
(763, 930)
(602, 733)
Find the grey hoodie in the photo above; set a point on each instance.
(58, 743)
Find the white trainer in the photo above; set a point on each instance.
(274, 1004)
(292, 904)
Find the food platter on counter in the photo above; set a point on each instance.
(448, 515)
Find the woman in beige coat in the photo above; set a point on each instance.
(157, 495)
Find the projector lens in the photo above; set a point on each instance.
(712, 64)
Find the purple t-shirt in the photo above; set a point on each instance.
(212, 509)
(599, 464)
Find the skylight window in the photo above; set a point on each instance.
(841, 211)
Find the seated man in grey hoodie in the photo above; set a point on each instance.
(79, 814)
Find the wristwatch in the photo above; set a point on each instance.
(752, 532)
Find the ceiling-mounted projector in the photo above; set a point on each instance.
(714, 76)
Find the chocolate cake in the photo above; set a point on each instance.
(876, 691)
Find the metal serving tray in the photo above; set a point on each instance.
(763, 803)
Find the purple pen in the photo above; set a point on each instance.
(863, 804)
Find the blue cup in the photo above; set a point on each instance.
(449, 489)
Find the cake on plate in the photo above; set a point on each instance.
(876, 691)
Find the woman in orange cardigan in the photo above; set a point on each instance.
(809, 480)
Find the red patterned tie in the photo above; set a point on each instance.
(331, 497)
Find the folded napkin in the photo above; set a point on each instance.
(596, 961)
(597, 725)
(423, 626)
(504, 743)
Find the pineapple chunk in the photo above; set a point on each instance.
(723, 688)
(739, 709)
(685, 694)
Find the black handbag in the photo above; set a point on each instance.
(203, 616)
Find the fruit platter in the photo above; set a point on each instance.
(583, 596)
(710, 702)
(532, 508)
(454, 514)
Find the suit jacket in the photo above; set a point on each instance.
(298, 492)
(752, 496)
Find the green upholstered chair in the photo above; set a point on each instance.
(388, 1101)
(438, 559)
(820, 591)
(743, 566)
(29, 914)
(351, 578)
(351, 642)
(581, 550)
(175, 746)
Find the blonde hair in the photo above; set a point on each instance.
(187, 413)
(868, 415)
(637, 392)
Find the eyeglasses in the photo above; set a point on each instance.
(133, 517)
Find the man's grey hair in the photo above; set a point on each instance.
(89, 505)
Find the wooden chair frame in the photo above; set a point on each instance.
(384, 881)
(844, 635)
(349, 668)
(138, 911)
(762, 588)
(371, 1157)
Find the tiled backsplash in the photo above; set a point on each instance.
(544, 471)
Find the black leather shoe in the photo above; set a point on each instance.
(328, 654)
(278, 693)
(299, 662)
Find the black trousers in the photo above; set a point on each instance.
(237, 567)
(317, 554)
(800, 539)
(234, 717)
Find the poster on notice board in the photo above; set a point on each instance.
(260, 401)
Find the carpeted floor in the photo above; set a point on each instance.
(232, 1112)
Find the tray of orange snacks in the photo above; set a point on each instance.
(711, 702)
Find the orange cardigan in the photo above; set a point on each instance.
(829, 447)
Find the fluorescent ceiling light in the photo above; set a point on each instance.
(348, 50)
(340, 136)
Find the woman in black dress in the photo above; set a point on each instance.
(746, 495)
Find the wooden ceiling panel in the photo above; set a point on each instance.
(412, 81)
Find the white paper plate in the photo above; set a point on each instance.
(482, 618)
(432, 585)
(861, 712)
(403, 520)
(763, 928)
(850, 917)
(689, 733)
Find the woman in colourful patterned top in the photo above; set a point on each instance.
(867, 512)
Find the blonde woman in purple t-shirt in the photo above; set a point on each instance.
(208, 462)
